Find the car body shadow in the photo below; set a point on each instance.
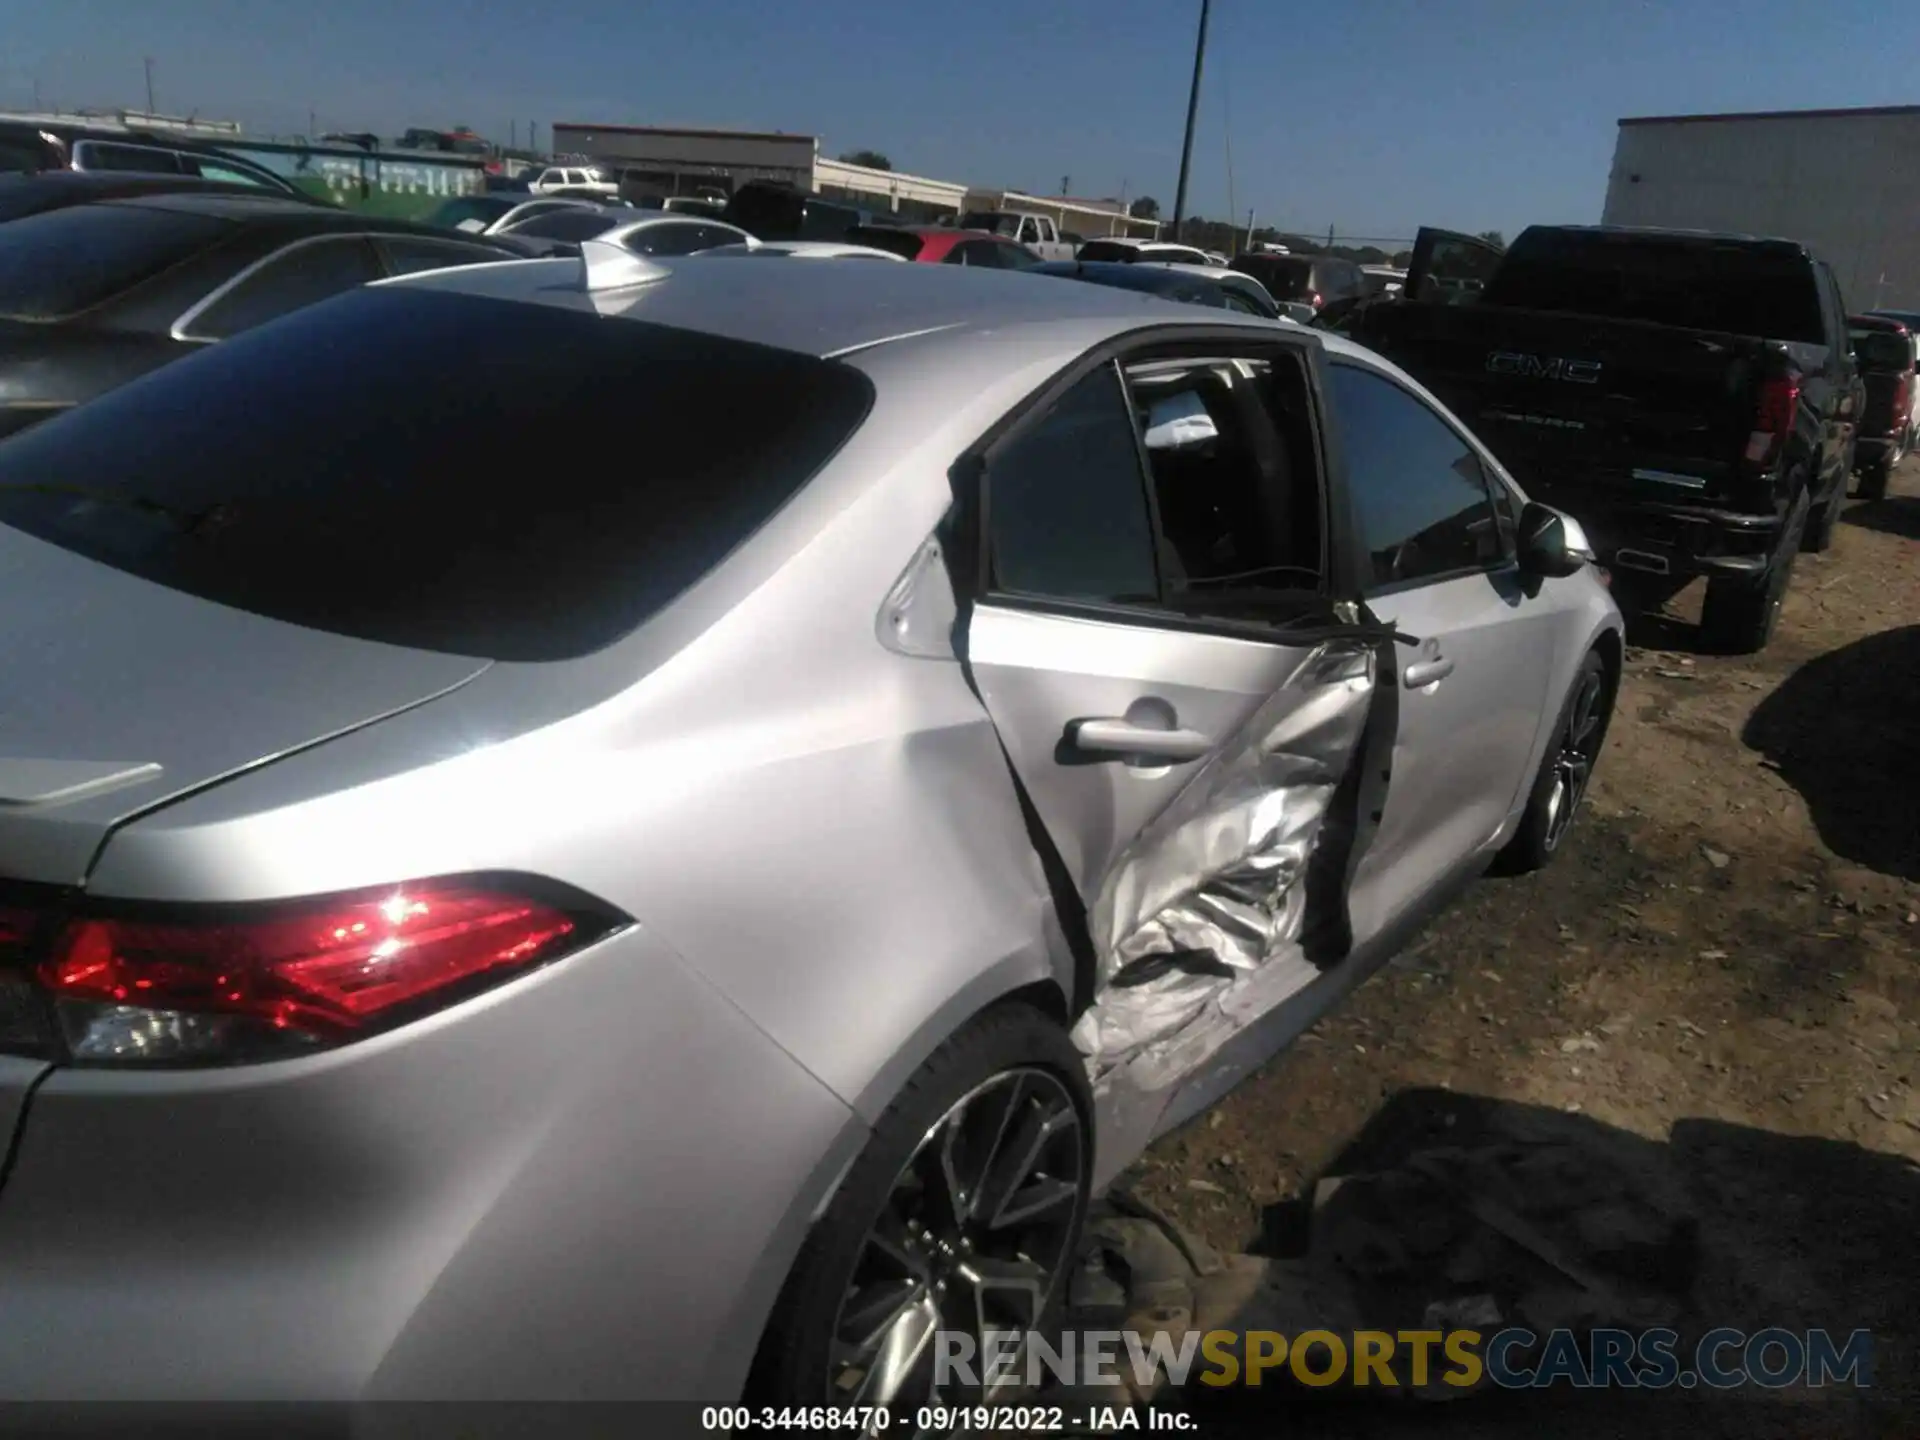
(1896, 515)
(1454, 1196)
(1841, 731)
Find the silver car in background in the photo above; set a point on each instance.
(489, 919)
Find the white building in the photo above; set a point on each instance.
(1845, 183)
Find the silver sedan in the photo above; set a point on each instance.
(491, 915)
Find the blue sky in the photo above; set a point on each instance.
(1374, 116)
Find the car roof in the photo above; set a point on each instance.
(828, 310)
(22, 194)
(259, 208)
(1673, 235)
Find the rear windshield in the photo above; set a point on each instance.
(1109, 250)
(903, 243)
(60, 262)
(484, 209)
(991, 223)
(1694, 284)
(431, 470)
(573, 223)
(1284, 277)
(1883, 350)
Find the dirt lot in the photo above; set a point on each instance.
(1725, 961)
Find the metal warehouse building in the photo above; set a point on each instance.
(1846, 183)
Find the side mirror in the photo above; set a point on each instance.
(1552, 544)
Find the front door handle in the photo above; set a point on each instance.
(1423, 673)
(1125, 739)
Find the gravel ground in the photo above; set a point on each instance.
(1725, 962)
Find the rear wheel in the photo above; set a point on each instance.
(1565, 770)
(1873, 480)
(1739, 616)
(1825, 518)
(963, 1215)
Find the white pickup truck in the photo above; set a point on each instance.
(1037, 232)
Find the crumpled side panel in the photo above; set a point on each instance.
(1212, 891)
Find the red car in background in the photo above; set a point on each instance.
(944, 245)
(1888, 358)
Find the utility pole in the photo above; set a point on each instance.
(1193, 106)
(1249, 230)
(150, 109)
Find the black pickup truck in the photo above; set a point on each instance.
(1690, 398)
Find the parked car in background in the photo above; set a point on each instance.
(1244, 293)
(590, 180)
(1886, 353)
(95, 295)
(1689, 396)
(31, 147)
(1125, 250)
(768, 210)
(943, 245)
(643, 232)
(23, 194)
(1188, 284)
(1384, 280)
(491, 214)
(1908, 318)
(1037, 232)
(485, 929)
(799, 250)
(707, 207)
(1313, 280)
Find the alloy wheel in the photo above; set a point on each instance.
(973, 1238)
(1578, 749)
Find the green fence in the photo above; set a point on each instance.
(403, 186)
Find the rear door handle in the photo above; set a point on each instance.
(1423, 673)
(1123, 738)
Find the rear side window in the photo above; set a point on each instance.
(1694, 284)
(140, 159)
(1108, 250)
(410, 254)
(418, 521)
(60, 262)
(1418, 489)
(303, 274)
(1066, 503)
(573, 223)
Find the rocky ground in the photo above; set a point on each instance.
(1722, 970)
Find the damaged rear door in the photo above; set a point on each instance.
(1151, 636)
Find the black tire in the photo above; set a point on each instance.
(1738, 616)
(1873, 481)
(1824, 520)
(1551, 810)
(794, 1365)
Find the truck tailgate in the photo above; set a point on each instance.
(1605, 404)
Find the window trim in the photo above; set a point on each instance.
(267, 181)
(1481, 456)
(181, 328)
(965, 528)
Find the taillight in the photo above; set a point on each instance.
(200, 986)
(1902, 399)
(1314, 300)
(1773, 419)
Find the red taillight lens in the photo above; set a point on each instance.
(1314, 300)
(1773, 419)
(289, 978)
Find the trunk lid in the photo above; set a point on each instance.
(1608, 405)
(118, 695)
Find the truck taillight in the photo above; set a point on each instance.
(207, 985)
(1903, 399)
(1773, 420)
